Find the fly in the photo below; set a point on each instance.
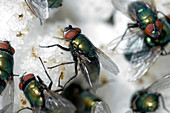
(87, 54)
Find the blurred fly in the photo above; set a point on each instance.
(41, 98)
(142, 49)
(87, 54)
(6, 76)
(40, 8)
(84, 100)
(148, 100)
(144, 14)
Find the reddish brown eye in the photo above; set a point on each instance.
(168, 16)
(159, 24)
(4, 46)
(20, 86)
(78, 29)
(70, 34)
(12, 50)
(149, 29)
(27, 77)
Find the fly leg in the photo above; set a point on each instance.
(41, 22)
(15, 75)
(51, 82)
(61, 64)
(59, 85)
(61, 47)
(166, 17)
(23, 109)
(163, 103)
(62, 88)
(164, 52)
(130, 25)
(76, 72)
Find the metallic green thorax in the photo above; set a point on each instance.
(146, 16)
(145, 102)
(6, 65)
(81, 43)
(89, 100)
(139, 11)
(54, 3)
(163, 38)
(33, 94)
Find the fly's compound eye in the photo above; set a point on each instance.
(25, 78)
(78, 29)
(6, 47)
(149, 29)
(70, 34)
(20, 86)
(12, 50)
(168, 16)
(159, 25)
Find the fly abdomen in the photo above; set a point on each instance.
(146, 102)
(89, 100)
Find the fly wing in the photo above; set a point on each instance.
(160, 84)
(141, 62)
(37, 109)
(129, 111)
(133, 42)
(122, 5)
(57, 104)
(106, 62)
(8, 97)
(4, 109)
(39, 8)
(100, 107)
(91, 70)
(151, 4)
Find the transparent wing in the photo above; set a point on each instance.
(141, 62)
(39, 8)
(91, 71)
(4, 109)
(129, 111)
(37, 109)
(160, 84)
(122, 5)
(151, 4)
(57, 104)
(106, 62)
(8, 97)
(133, 42)
(100, 107)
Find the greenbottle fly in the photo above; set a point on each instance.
(87, 54)
(84, 100)
(149, 99)
(6, 76)
(40, 8)
(142, 50)
(40, 96)
(144, 14)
